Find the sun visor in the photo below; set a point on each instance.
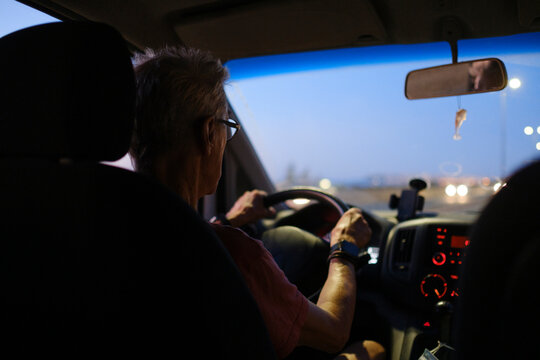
(276, 30)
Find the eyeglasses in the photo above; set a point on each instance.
(232, 127)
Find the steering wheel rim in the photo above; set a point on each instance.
(316, 261)
(306, 193)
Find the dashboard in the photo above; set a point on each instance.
(406, 296)
(423, 260)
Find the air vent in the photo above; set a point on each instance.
(403, 246)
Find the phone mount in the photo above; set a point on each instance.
(409, 202)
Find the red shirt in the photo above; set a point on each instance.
(283, 307)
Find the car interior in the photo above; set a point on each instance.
(91, 268)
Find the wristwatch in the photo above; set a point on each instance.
(349, 252)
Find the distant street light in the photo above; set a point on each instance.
(325, 184)
(514, 83)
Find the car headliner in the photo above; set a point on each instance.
(239, 28)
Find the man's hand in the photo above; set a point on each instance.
(249, 208)
(352, 227)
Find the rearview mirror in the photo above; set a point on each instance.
(469, 77)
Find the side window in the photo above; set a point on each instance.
(15, 16)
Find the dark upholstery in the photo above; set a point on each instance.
(498, 315)
(66, 93)
(96, 260)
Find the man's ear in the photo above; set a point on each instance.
(208, 135)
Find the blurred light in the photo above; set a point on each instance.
(300, 201)
(325, 184)
(462, 190)
(374, 253)
(514, 83)
(450, 190)
(538, 146)
(123, 163)
(538, 129)
(528, 130)
(485, 181)
(497, 186)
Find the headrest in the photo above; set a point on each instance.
(67, 90)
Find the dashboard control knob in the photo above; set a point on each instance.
(433, 286)
(439, 258)
(444, 307)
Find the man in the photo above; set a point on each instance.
(181, 130)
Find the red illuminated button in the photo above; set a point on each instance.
(439, 258)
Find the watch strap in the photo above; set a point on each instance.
(349, 252)
(348, 247)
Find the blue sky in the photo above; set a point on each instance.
(343, 114)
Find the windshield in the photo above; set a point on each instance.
(339, 120)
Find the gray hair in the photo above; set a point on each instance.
(176, 87)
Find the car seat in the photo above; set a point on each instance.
(97, 260)
(497, 315)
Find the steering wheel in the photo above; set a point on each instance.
(299, 251)
(301, 255)
(319, 218)
(306, 193)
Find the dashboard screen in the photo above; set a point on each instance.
(459, 242)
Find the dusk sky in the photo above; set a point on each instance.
(343, 114)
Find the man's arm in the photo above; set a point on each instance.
(329, 322)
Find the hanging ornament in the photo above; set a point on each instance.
(461, 116)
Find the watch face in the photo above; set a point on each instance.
(351, 248)
(347, 247)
